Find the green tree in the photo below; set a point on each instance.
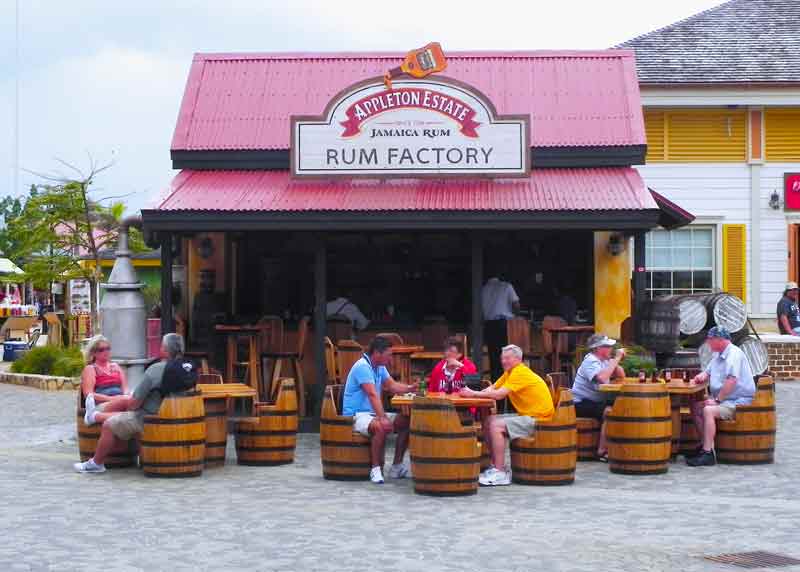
(61, 225)
(11, 208)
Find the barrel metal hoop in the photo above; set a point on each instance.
(173, 443)
(754, 409)
(346, 464)
(340, 422)
(170, 421)
(355, 445)
(216, 443)
(736, 433)
(744, 451)
(642, 395)
(636, 462)
(515, 469)
(257, 432)
(543, 450)
(418, 481)
(444, 460)
(638, 419)
(264, 449)
(155, 465)
(555, 427)
(639, 440)
(418, 433)
(216, 414)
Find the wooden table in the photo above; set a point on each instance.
(232, 334)
(401, 366)
(483, 405)
(240, 397)
(565, 331)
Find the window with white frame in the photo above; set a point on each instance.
(680, 261)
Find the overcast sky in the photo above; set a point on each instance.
(105, 78)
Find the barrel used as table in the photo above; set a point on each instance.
(174, 441)
(549, 456)
(216, 430)
(640, 430)
(749, 438)
(344, 454)
(270, 438)
(123, 456)
(445, 455)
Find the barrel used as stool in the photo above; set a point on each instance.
(271, 440)
(749, 439)
(445, 456)
(640, 430)
(174, 441)
(345, 454)
(124, 456)
(216, 431)
(549, 456)
(588, 438)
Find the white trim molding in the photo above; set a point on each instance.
(743, 96)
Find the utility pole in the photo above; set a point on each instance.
(15, 188)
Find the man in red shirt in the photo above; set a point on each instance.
(448, 375)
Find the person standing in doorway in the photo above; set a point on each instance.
(499, 302)
(789, 311)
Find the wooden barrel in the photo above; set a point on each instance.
(549, 456)
(124, 456)
(588, 438)
(445, 456)
(345, 455)
(683, 359)
(690, 437)
(216, 431)
(725, 310)
(272, 438)
(640, 430)
(755, 351)
(659, 325)
(692, 313)
(749, 439)
(174, 441)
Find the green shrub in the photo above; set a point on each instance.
(50, 360)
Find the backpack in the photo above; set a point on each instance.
(179, 375)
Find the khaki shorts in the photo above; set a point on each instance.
(126, 425)
(518, 426)
(726, 412)
(362, 420)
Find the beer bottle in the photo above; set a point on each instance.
(642, 376)
(423, 387)
(668, 376)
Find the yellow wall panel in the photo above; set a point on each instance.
(696, 135)
(734, 265)
(654, 129)
(782, 134)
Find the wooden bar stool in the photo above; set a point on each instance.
(749, 438)
(330, 363)
(295, 360)
(344, 453)
(271, 438)
(348, 352)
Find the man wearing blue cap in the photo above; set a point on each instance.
(730, 384)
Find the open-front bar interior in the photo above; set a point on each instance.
(269, 230)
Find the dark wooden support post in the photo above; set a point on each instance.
(639, 276)
(167, 320)
(320, 300)
(477, 310)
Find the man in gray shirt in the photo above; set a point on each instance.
(123, 417)
(730, 384)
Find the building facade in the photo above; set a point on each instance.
(721, 98)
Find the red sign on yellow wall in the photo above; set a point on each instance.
(791, 191)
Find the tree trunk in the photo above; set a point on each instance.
(95, 281)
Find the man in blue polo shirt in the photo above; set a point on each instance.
(366, 382)
(730, 383)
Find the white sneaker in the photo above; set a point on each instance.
(484, 473)
(89, 467)
(88, 418)
(494, 478)
(376, 475)
(401, 471)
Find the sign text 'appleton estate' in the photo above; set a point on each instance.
(420, 127)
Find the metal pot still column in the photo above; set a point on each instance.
(123, 313)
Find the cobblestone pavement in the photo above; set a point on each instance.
(289, 518)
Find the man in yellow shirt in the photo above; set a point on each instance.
(530, 397)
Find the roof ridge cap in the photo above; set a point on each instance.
(675, 24)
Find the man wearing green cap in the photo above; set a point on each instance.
(730, 385)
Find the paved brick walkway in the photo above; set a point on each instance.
(289, 518)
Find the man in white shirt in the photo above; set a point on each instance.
(341, 306)
(499, 301)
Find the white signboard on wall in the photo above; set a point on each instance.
(427, 127)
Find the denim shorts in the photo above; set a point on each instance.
(109, 390)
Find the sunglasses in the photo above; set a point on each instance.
(103, 349)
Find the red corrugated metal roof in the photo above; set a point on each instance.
(244, 101)
(595, 189)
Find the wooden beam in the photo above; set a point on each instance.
(167, 320)
(477, 309)
(320, 302)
